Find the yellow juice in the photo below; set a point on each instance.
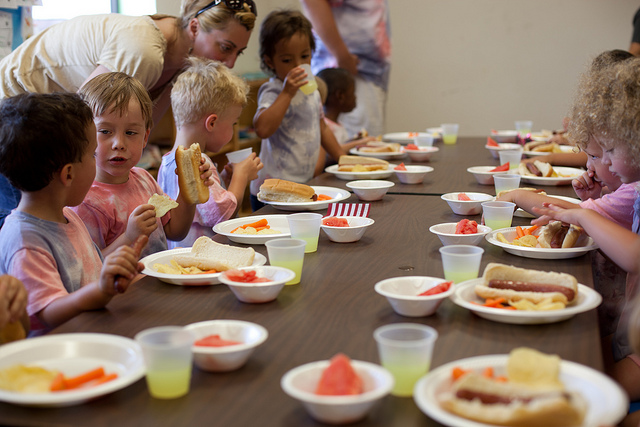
(460, 276)
(496, 225)
(312, 243)
(310, 87)
(296, 266)
(169, 384)
(405, 377)
(449, 139)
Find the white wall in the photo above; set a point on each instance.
(484, 63)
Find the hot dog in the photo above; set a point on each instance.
(537, 168)
(516, 284)
(557, 235)
(192, 188)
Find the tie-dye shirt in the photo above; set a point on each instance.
(365, 28)
(106, 209)
(292, 151)
(50, 258)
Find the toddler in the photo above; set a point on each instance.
(116, 208)
(290, 123)
(207, 99)
(47, 151)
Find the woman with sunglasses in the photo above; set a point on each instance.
(151, 48)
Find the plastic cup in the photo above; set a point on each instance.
(239, 155)
(461, 262)
(311, 84)
(449, 133)
(405, 350)
(498, 215)
(306, 226)
(524, 127)
(167, 356)
(506, 182)
(512, 156)
(423, 140)
(288, 253)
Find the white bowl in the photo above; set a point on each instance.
(414, 174)
(447, 234)
(238, 156)
(227, 358)
(466, 207)
(370, 189)
(301, 382)
(504, 135)
(354, 232)
(495, 151)
(260, 292)
(402, 293)
(422, 154)
(483, 175)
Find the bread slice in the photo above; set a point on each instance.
(380, 147)
(361, 164)
(209, 255)
(280, 190)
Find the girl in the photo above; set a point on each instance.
(290, 123)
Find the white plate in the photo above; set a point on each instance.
(276, 222)
(350, 176)
(336, 194)
(588, 299)
(524, 214)
(74, 354)
(563, 149)
(567, 175)
(165, 257)
(606, 401)
(583, 245)
(402, 137)
(501, 146)
(388, 155)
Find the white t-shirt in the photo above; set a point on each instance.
(62, 57)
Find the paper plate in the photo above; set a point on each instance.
(402, 137)
(583, 245)
(336, 194)
(565, 178)
(385, 156)
(350, 176)
(276, 222)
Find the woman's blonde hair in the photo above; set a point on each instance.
(216, 17)
(114, 90)
(205, 87)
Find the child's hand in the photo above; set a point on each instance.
(141, 221)
(587, 187)
(295, 78)
(121, 266)
(249, 167)
(13, 299)
(206, 172)
(551, 212)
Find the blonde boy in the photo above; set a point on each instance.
(207, 99)
(116, 209)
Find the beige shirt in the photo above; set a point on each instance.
(63, 56)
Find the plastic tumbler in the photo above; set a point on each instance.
(523, 127)
(506, 182)
(239, 155)
(288, 253)
(311, 84)
(513, 156)
(405, 350)
(461, 262)
(306, 226)
(449, 133)
(423, 140)
(498, 215)
(167, 356)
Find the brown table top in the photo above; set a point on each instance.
(334, 309)
(449, 173)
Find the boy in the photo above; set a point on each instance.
(116, 209)
(207, 99)
(47, 151)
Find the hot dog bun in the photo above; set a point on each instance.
(555, 235)
(361, 164)
(279, 190)
(209, 255)
(538, 168)
(380, 147)
(536, 285)
(192, 187)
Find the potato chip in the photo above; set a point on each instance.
(501, 238)
(526, 241)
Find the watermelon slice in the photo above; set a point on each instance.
(215, 341)
(339, 378)
(401, 167)
(501, 168)
(332, 221)
(491, 142)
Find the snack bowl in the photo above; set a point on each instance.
(239, 155)
(413, 175)
(370, 189)
(231, 357)
(354, 232)
(504, 135)
(402, 293)
(495, 151)
(483, 174)
(466, 207)
(302, 381)
(422, 154)
(259, 292)
(446, 232)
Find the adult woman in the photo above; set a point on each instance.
(151, 48)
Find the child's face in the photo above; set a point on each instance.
(85, 169)
(223, 129)
(594, 163)
(620, 163)
(121, 140)
(288, 54)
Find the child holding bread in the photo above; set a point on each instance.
(290, 123)
(117, 209)
(207, 99)
(47, 151)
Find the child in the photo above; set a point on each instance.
(289, 122)
(606, 111)
(207, 99)
(116, 209)
(47, 151)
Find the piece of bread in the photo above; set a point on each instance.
(380, 147)
(162, 203)
(192, 188)
(280, 190)
(209, 255)
(361, 164)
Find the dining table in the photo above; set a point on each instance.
(333, 310)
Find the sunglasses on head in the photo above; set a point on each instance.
(231, 4)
